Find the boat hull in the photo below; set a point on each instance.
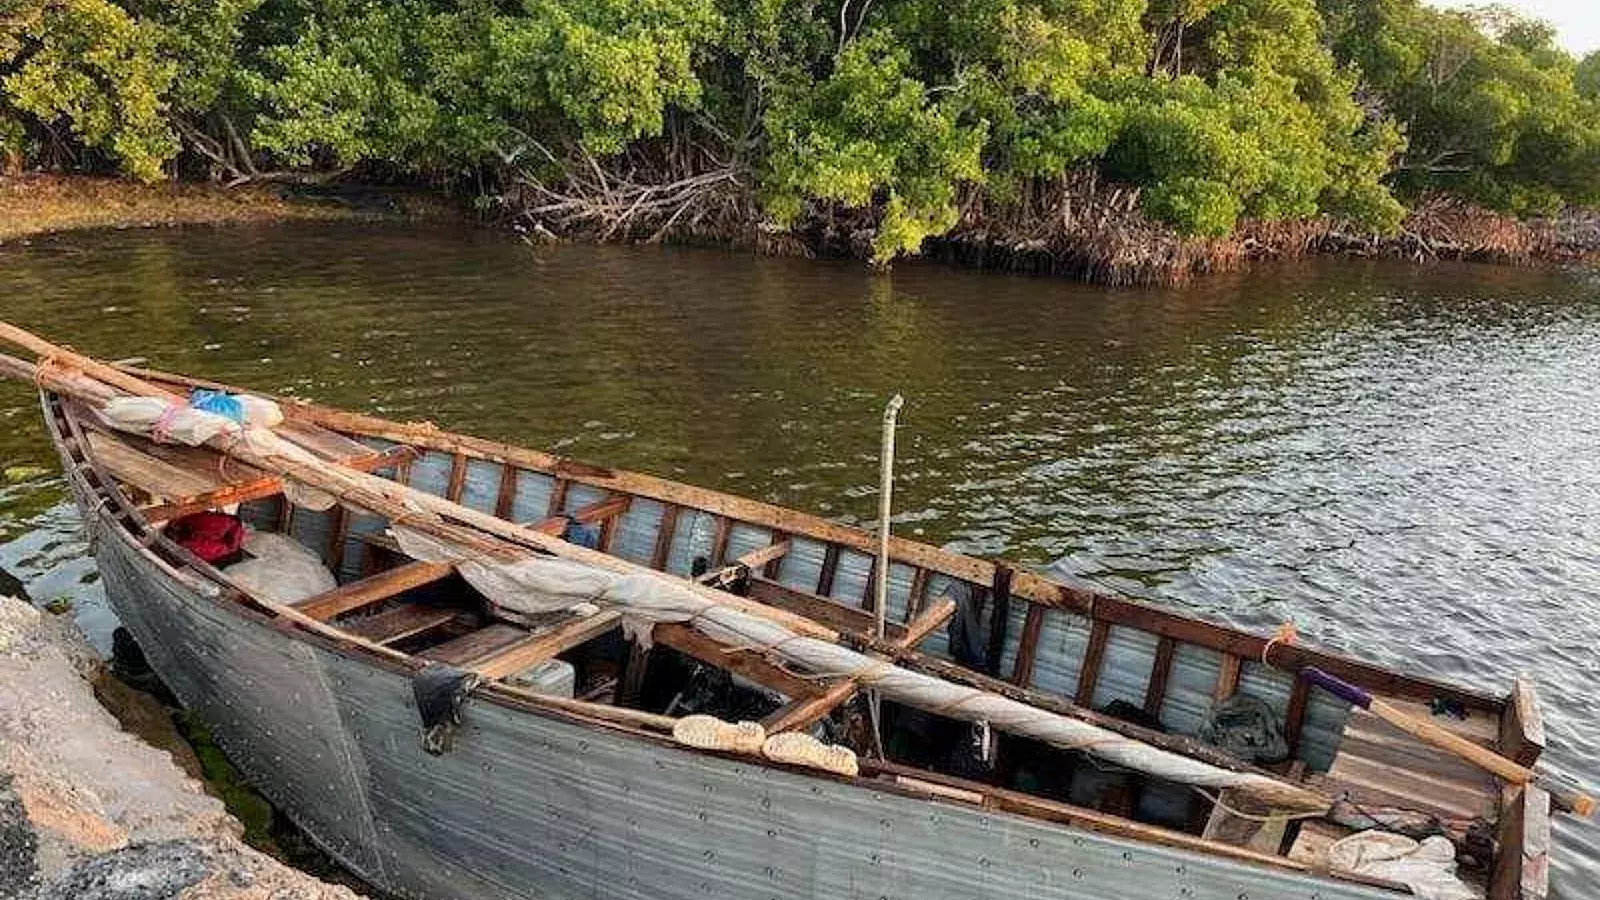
(532, 805)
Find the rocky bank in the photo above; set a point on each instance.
(89, 811)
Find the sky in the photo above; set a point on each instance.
(1577, 22)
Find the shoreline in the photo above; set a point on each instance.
(1115, 246)
(38, 205)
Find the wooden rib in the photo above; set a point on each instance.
(545, 645)
(869, 592)
(918, 593)
(558, 497)
(719, 541)
(1026, 585)
(368, 591)
(830, 567)
(506, 499)
(1294, 717)
(338, 535)
(774, 564)
(1028, 645)
(664, 532)
(1155, 693)
(401, 622)
(458, 477)
(1093, 656)
(740, 661)
(1227, 678)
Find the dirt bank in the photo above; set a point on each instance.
(43, 204)
(91, 812)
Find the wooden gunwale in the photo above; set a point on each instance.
(130, 527)
(1024, 585)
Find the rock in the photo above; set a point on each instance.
(91, 812)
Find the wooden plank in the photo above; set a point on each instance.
(1093, 657)
(458, 477)
(739, 661)
(830, 567)
(506, 499)
(322, 442)
(633, 675)
(154, 476)
(1155, 693)
(555, 526)
(400, 622)
(368, 591)
(749, 562)
(540, 646)
(601, 510)
(1028, 645)
(662, 553)
(930, 621)
(1522, 726)
(463, 650)
(1227, 678)
(829, 612)
(807, 711)
(761, 557)
(1522, 867)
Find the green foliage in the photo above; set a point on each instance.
(871, 132)
(90, 68)
(881, 113)
(1491, 107)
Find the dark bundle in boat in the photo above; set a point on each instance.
(470, 670)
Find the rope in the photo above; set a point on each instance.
(1216, 800)
(1286, 634)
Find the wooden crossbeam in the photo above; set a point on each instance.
(750, 562)
(369, 591)
(601, 510)
(831, 613)
(540, 646)
(739, 661)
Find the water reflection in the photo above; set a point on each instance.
(1402, 459)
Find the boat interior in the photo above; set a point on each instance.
(1143, 671)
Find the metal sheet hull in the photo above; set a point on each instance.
(533, 806)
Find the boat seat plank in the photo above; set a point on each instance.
(400, 622)
(372, 590)
(536, 647)
(147, 473)
(1311, 845)
(464, 650)
(257, 489)
(739, 661)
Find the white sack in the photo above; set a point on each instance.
(280, 569)
(1428, 868)
(185, 425)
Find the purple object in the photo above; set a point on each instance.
(1338, 687)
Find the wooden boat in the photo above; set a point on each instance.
(545, 796)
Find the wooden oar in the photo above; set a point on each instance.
(1445, 739)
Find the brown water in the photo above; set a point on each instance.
(1401, 459)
